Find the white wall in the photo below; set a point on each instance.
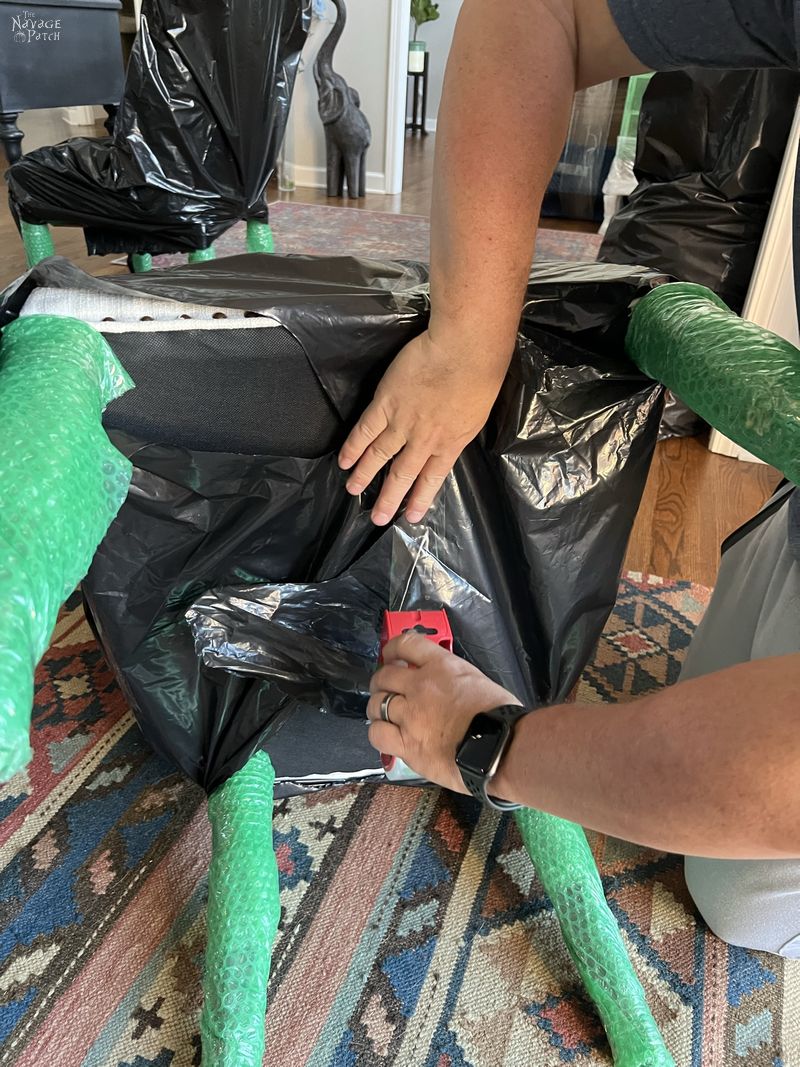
(438, 36)
(362, 57)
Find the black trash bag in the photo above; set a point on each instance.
(523, 546)
(679, 420)
(294, 634)
(196, 138)
(575, 191)
(708, 155)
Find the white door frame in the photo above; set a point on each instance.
(397, 76)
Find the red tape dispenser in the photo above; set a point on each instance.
(433, 625)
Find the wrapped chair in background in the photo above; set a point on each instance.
(198, 131)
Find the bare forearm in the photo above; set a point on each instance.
(512, 73)
(509, 85)
(708, 767)
(502, 122)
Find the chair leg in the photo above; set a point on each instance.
(140, 263)
(11, 135)
(566, 868)
(243, 911)
(202, 254)
(111, 112)
(37, 241)
(259, 236)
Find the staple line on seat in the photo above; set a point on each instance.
(185, 324)
(95, 307)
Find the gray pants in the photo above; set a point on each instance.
(754, 613)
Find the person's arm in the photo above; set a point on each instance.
(707, 767)
(505, 109)
(513, 70)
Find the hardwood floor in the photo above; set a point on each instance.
(693, 498)
(692, 501)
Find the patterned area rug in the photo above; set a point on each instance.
(316, 229)
(414, 933)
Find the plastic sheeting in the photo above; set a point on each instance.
(709, 151)
(744, 380)
(534, 518)
(575, 189)
(319, 642)
(61, 483)
(679, 420)
(196, 137)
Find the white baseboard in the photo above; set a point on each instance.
(316, 178)
(723, 446)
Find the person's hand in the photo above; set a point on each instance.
(433, 707)
(431, 403)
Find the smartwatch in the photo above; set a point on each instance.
(479, 754)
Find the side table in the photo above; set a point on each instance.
(57, 53)
(418, 125)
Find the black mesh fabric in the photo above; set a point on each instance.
(250, 391)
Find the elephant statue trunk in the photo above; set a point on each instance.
(347, 132)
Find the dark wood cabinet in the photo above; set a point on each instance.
(64, 54)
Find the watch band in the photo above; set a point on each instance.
(476, 781)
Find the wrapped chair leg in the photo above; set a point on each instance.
(259, 236)
(562, 858)
(140, 263)
(63, 490)
(38, 242)
(243, 913)
(722, 367)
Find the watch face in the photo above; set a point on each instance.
(479, 748)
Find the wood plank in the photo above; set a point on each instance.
(692, 501)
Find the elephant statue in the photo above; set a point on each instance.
(347, 132)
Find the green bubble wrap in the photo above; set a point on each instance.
(202, 254)
(243, 912)
(37, 241)
(61, 484)
(259, 237)
(562, 858)
(742, 379)
(141, 262)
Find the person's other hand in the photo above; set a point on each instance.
(429, 405)
(433, 707)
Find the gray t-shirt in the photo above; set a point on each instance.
(728, 34)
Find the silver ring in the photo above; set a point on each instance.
(385, 706)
